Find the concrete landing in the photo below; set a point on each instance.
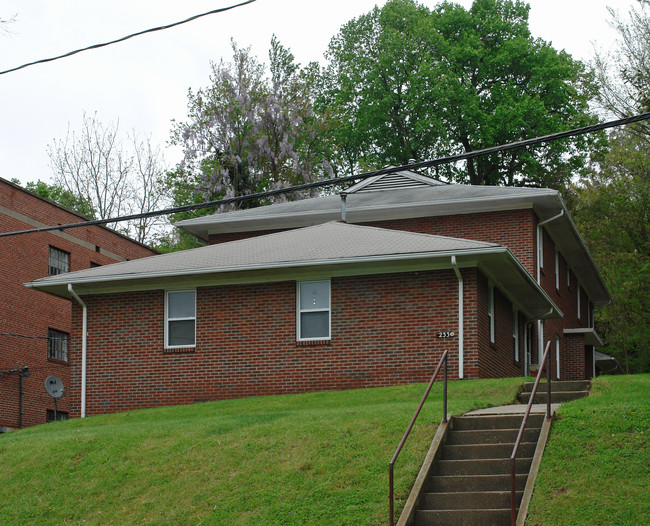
(515, 409)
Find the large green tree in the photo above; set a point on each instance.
(612, 211)
(612, 205)
(407, 83)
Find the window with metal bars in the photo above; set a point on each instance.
(57, 345)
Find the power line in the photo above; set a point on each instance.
(350, 178)
(160, 28)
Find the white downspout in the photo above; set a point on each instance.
(84, 330)
(540, 240)
(461, 372)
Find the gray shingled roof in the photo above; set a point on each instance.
(369, 201)
(328, 242)
(367, 206)
(334, 248)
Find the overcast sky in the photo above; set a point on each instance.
(143, 82)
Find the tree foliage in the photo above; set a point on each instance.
(612, 206)
(63, 197)
(624, 74)
(613, 213)
(95, 165)
(249, 132)
(406, 82)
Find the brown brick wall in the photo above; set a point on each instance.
(383, 333)
(30, 313)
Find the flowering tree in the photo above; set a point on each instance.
(248, 132)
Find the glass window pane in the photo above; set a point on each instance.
(181, 304)
(181, 333)
(315, 325)
(315, 295)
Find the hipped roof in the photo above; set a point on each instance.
(326, 250)
(408, 195)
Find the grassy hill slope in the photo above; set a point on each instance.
(596, 466)
(318, 459)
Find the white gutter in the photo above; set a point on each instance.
(461, 350)
(540, 240)
(84, 330)
(175, 273)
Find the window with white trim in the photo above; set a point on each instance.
(557, 270)
(59, 261)
(180, 318)
(314, 320)
(515, 334)
(491, 312)
(57, 345)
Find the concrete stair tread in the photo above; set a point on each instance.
(470, 483)
(560, 385)
(481, 466)
(485, 451)
(463, 517)
(491, 436)
(467, 501)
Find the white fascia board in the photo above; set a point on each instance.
(591, 336)
(270, 266)
(607, 300)
(554, 311)
(292, 219)
(129, 281)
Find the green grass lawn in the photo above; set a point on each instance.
(596, 466)
(318, 458)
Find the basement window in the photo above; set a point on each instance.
(60, 415)
(180, 318)
(314, 320)
(59, 262)
(57, 345)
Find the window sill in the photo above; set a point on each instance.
(179, 350)
(312, 343)
(58, 362)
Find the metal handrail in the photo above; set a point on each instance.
(443, 359)
(513, 478)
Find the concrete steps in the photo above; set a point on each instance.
(465, 478)
(469, 482)
(561, 391)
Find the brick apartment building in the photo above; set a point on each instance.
(339, 292)
(35, 327)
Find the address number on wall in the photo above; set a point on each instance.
(445, 334)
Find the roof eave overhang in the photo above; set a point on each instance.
(205, 227)
(497, 262)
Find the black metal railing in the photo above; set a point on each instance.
(515, 449)
(391, 464)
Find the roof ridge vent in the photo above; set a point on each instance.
(394, 181)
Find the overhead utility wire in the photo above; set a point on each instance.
(339, 180)
(96, 46)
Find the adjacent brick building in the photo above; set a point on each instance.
(34, 327)
(333, 293)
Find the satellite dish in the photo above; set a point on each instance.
(54, 386)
